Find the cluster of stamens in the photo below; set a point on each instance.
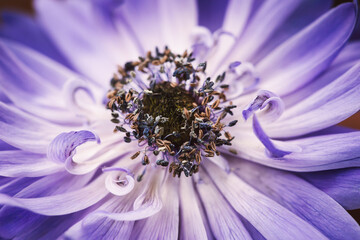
(175, 124)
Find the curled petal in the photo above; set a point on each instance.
(269, 102)
(266, 141)
(116, 184)
(63, 146)
(71, 89)
(202, 40)
(145, 205)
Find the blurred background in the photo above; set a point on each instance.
(26, 6)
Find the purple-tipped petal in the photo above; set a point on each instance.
(301, 198)
(323, 152)
(63, 146)
(192, 224)
(342, 63)
(24, 139)
(307, 12)
(223, 220)
(18, 163)
(15, 185)
(18, 221)
(271, 219)
(343, 185)
(105, 228)
(258, 30)
(326, 107)
(309, 52)
(15, 26)
(65, 203)
(33, 74)
(165, 224)
(211, 13)
(160, 23)
(273, 106)
(94, 51)
(266, 141)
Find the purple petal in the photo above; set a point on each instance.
(237, 15)
(24, 79)
(308, 53)
(26, 221)
(165, 224)
(273, 105)
(211, 13)
(33, 74)
(53, 227)
(301, 198)
(63, 146)
(342, 185)
(65, 203)
(317, 111)
(223, 220)
(15, 26)
(317, 153)
(4, 146)
(18, 163)
(15, 185)
(265, 140)
(26, 140)
(160, 23)
(347, 58)
(258, 30)
(305, 13)
(94, 55)
(192, 224)
(271, 219)
(105, 228)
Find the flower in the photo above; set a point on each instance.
(256, 142)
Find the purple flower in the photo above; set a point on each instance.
(245, 118)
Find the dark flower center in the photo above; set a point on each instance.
(169, 102)
(179, 122)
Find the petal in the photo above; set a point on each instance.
(18, 163)
(94, 51)
(323, 152)
(104, 228)
(211, 13)
(273, 106)
(192, 224)
(258, 30)
(147, 204)
(265, 140)
(26, 140)
(65, 203)
(17, 221)
(223, 220)
(271, 219)
(165, 224)
(160, 23)
(304, 14)
(36, 79)
(15, 185)
(347, 58)
(63, 145)
(343, 185)
(301, 198)
(305, 55)
(317, 111)
(15, 26)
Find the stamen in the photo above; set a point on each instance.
(170, 116)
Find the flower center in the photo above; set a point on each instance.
(179, 122)
(168, 102)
